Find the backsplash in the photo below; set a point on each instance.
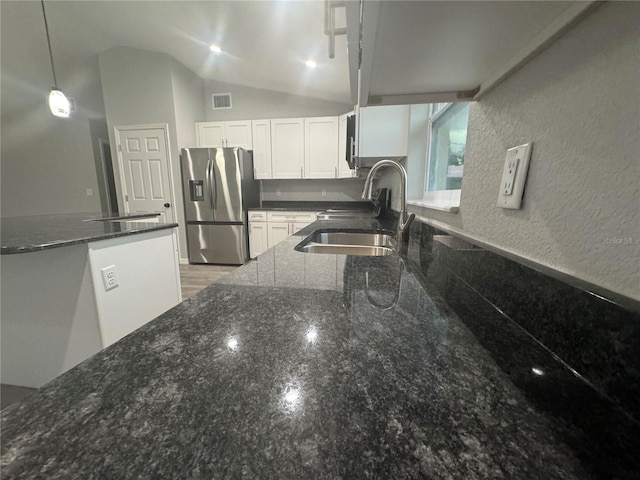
(343, 190)
(596, 337)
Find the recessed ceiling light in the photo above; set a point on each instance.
(215, 49)
(311, 63)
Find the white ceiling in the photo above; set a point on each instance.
(265, 43)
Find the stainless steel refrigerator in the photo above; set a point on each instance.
(218, 189)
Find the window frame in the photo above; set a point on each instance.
(445, 200)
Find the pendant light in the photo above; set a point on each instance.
(58, 102)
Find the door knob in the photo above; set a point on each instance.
(167, 205)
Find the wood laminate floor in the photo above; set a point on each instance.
(196, 277)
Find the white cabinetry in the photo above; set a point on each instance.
(269, 227)
(287, 148)
(225, 134)
(261, 149)
(321, 147)
(383, 131)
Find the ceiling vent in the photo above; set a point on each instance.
(221, 100)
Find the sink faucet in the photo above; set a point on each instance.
(404, 222)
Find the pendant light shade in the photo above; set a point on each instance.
(58, 102)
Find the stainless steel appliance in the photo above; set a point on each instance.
(218, 189)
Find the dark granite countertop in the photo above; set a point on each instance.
(41, 232)
(313, 206)
(310, 366)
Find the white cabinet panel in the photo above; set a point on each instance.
(277, 231)
(261, 130)
(287, 148)
(210, 134)
(224, 134)
(238, 134)
(383, 131)
(258, 238)
(321, 147)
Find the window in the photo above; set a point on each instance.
(447, 139)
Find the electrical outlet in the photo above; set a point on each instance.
(514, 176)
(324, 192)
(109, 277)
(278, 192)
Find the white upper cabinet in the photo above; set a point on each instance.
(261, 149)
(427, 52)
(224, 134)
(383, 132)
(287, 148)
(210, 134)
(321, 147)
(238, 134)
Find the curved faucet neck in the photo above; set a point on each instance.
(405, 220)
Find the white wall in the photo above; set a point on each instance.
(138, 89)
(47, 163)
(255, 103)
(579, 102)
(188, 103)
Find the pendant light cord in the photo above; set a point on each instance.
(46, 27)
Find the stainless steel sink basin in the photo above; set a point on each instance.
(367, 243)
(344, 214)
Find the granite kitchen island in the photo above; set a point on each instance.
(74, 284)
(310, 366)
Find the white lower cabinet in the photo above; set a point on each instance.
(278, 231)
(267, 228)
(258, 239)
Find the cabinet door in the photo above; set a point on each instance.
(210, 134)
(238, 134)
(296, 227)
(261, 130)
(258, 242)
(321, 147)
(343, 167)
(287, 148)
(277, 232)
(383, 131)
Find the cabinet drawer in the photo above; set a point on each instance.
(295, 217)
(257, 216)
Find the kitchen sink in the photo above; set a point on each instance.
(344, 214)
(340, 242)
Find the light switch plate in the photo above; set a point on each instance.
(514, 176)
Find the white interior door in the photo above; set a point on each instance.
(145, 164)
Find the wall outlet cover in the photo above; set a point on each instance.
(514, 176)
(109, 277)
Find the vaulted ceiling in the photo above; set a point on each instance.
(264, 43)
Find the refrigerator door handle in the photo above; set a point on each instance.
(209, 184)
(214, 190)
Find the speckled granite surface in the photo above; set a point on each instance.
(40, 232)
(323, 367)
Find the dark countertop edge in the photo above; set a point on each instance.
(11, 250)
(623, 301)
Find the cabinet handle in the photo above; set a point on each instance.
(335, 170)
(301, 173)
(255, 174)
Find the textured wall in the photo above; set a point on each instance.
(579, 103)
